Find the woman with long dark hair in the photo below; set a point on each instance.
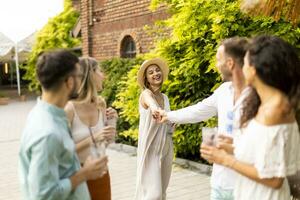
(268, 149)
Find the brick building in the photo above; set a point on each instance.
(116, 28)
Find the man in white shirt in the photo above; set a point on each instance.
(225, 102)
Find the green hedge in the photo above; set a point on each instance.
(116, 69)
(198, 26)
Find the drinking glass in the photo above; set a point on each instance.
(209, 136)
(97, 150)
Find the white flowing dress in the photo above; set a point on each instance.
(154, 156)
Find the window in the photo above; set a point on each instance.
(128, 47)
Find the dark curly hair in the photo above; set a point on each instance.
(277, 64)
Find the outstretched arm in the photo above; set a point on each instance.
(193, 114)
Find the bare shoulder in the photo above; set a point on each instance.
(275, 115)
(146, 94)
(101, 103)
(69, 109)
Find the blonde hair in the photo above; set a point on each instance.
(87, 91)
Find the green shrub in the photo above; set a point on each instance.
(127, 102)
(55, 34)
(198, 26)
(115, 69)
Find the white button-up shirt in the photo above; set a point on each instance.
(221, 104)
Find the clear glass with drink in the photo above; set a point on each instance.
(209, 136)
(112, 122)
(97, 150)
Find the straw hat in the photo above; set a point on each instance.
(155, 61)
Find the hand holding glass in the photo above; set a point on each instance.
(97, 149)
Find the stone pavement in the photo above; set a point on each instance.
(184, 184)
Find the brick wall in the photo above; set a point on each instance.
(106, 22)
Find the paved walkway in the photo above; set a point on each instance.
(184, 185)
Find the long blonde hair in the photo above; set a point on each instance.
(87, 91)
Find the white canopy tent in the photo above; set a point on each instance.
(24, 47)
(17, 52)
(6, 48)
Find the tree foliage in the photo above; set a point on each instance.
(116, 69)
(55, 34)
(117, 73)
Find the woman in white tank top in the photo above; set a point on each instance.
(155, 146)
(88, 115)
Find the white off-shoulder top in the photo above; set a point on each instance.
(274, 151)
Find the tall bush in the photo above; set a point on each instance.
(55, 34)
(127, 102)
(197, 26)
(116, 69)
(117, 72)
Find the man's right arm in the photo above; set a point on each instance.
(195, 113)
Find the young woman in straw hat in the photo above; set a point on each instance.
(91, 122)
(155, 146)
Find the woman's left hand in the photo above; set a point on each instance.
(111, 113)
(215, 155)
